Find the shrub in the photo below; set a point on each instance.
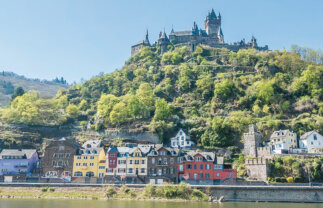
(95, 197)
(199, 194)
(51, 189)
(278, 179)
(150, 190)
(283, 180)
(110, 191)
(184, 190)
(44, 189)
(290, 180)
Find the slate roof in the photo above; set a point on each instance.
(91, 151)
(28, 153)
(307, 134)
(207, 156)
(273, 135)
(182, 33)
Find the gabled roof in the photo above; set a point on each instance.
(307, 134)
(28, 153)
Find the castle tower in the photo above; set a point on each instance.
(213, 24)
(252, 140)
(163, 42)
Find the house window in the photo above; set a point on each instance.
(54, 155)
(66, 163)
(78, 157)
(67, 155)
(181, 168)
(60, 163)
(130, 170)
(217, 174)
(84, 164)
(142, 170)
(91, 157)
(142, 161)
(311, 143)
(78, 174)
(101, 167)
(165, 161)
(130, 161)
(61, 148)
(77, 164)
(207, 175)
(188, 166)
(171, 160)
(85, 157)
(315, 137)
(207, 166)
(201, 166)
(136, 161)
(53, 163)
(137, 154)
(201, 175)
(153, 160)
(110, 170)
(61, 155)
(91, 164)
(195, 167)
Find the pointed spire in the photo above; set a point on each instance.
(219, 16)
(213, 15)
(147, 38)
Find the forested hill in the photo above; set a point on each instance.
(211, 93)
(10, 81)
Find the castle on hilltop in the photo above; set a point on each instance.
(211, 36)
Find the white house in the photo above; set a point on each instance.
(312, 142)
(182, 140)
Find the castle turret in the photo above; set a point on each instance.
(163, 42)
(254, 42)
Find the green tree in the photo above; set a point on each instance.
(19, 91)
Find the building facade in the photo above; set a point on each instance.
(311, 142)
(203, 168)
(252, 141)
(18, 161)
(162, 164)
(90, 160)
(182, 141)
(283, 141)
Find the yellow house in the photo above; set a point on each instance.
(90, 162)
(137, 161)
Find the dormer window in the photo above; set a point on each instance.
(315, 137)
(94, 152)
(88, 146)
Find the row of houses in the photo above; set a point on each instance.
(97, 163)
(286, 141)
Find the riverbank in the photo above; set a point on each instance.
(168, 192)
(181, 192)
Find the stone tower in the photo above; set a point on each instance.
(252, 140)
(213, 25)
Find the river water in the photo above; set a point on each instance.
(54, 203)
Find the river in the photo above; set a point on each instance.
(54, 203)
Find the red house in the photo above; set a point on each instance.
(203, 168)
(111, 158)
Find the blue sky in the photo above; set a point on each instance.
(81, 38)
